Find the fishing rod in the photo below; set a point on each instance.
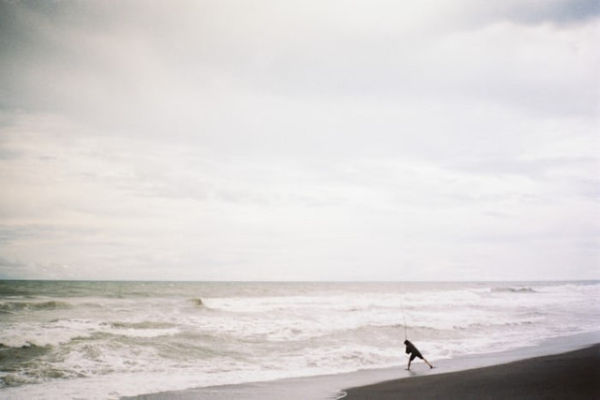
(404, 320)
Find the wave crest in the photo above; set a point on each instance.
(142, 325)
(197, 302)
(12, 306)
(512, 290)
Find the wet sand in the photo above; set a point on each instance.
(572, 375)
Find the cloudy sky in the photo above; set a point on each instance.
(300, 140)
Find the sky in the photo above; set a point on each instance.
(300, 140)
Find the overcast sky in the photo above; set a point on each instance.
(300, 140)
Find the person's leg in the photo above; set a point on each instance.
(412, 357)
(427, 362)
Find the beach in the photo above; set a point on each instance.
(571, 375)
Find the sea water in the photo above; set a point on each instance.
(98, 340)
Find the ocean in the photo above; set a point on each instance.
(99, 340)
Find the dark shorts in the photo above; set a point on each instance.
(415, 355)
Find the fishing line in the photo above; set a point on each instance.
(404, 320)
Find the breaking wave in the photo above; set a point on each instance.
(11, 306)
(512, 290)
(197, 302)
(142, 325)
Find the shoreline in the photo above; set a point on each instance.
(570, 375)
(328, 387)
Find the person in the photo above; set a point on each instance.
(414, 352)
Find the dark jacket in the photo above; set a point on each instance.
(411, 349)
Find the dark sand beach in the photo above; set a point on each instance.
(572, 375)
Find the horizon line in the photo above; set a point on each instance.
(295, 281)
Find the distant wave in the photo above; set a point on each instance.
(512, 290)
(11, 306)
(197, 302)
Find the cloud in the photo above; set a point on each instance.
(305, 140)
(10, 268)
(151, 67)
(533, 12)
